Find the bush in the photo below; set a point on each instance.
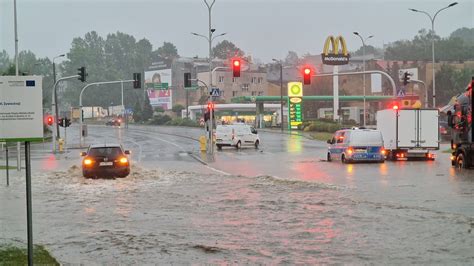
(159, 120)
(183, 122)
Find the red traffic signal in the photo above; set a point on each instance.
(395, 106)
(307, 76)
(236, 67)
(49, 120)
(210, 106)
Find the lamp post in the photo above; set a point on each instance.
(363, 65)
(432, 19)
(210, 39)
(281, 91)
(56, 109)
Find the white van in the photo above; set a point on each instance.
(237, 136)
(351, 145)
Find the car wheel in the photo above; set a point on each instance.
(329, 157)
(238, 145)
(256, 144)
(343, 159)
(461, 161)
(87, 175)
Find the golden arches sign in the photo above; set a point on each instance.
(332, 56)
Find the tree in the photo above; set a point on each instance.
(137, 112)
(369, 49)
(177, 109)
(167, 50)
(465, 34)
(291, 58)
(226, 50)
(450, 82)
(4, 61)
(147, 112)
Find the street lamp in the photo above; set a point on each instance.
(281, 90)
(56, 97)
(210, 39)
(432, 18)
(363, 65)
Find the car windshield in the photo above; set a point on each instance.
(105, 152)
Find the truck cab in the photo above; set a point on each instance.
(462, 133)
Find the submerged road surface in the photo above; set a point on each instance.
(279, 204)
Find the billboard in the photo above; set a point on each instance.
(158, 85)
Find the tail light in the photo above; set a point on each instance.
(87, 161)
(383, 151)
(453, 157)
(123, 160)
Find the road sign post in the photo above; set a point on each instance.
(21, 120)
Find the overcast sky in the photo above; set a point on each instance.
(265, 29)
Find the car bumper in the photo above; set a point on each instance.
(366, 157)
(106, 171)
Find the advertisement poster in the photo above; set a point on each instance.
(21, 108)
(158, 83)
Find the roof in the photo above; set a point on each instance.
(104, 145)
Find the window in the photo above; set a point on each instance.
(260, 80)
(222, 93)
(340, 138)
(221, 79)
(234, 93)
(260, 93)
(254, 80)
(245, 87)
(254, 93)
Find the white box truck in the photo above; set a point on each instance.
(409, 133)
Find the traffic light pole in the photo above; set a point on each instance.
(424, 87)
(54, 108)
(80, 101)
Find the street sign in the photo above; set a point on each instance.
(215, 92)
(401, 92)
(192, 88)
(157, 86)
(295, 98)
(21, 108)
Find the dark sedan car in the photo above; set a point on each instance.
(114, 122)
(105, 160)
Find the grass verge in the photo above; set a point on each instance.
(11, 255)
(3, 167)
(322, 136)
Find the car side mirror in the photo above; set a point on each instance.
(127, 152)
(329, 141)
(254, 131)
(83, 153)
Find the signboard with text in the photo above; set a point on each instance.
(158, 83)
(295, 100)
(21, 108)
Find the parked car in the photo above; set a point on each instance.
(356, 145)
(444, 130)
(103, 160)
(237, 135)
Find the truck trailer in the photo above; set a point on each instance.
(462, 133)
(409, 133)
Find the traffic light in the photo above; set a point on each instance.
(187, 80)
(307, 76)
(67, 122)
(210, 106)
(49, 120)
(395, 106)
(137, 80)
(236, 67)
(61, 122)
(406, 78)
(82, 74)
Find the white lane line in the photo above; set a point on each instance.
(217, 170)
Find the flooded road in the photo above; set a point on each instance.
(180, 211)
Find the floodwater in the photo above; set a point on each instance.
(163, 216)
